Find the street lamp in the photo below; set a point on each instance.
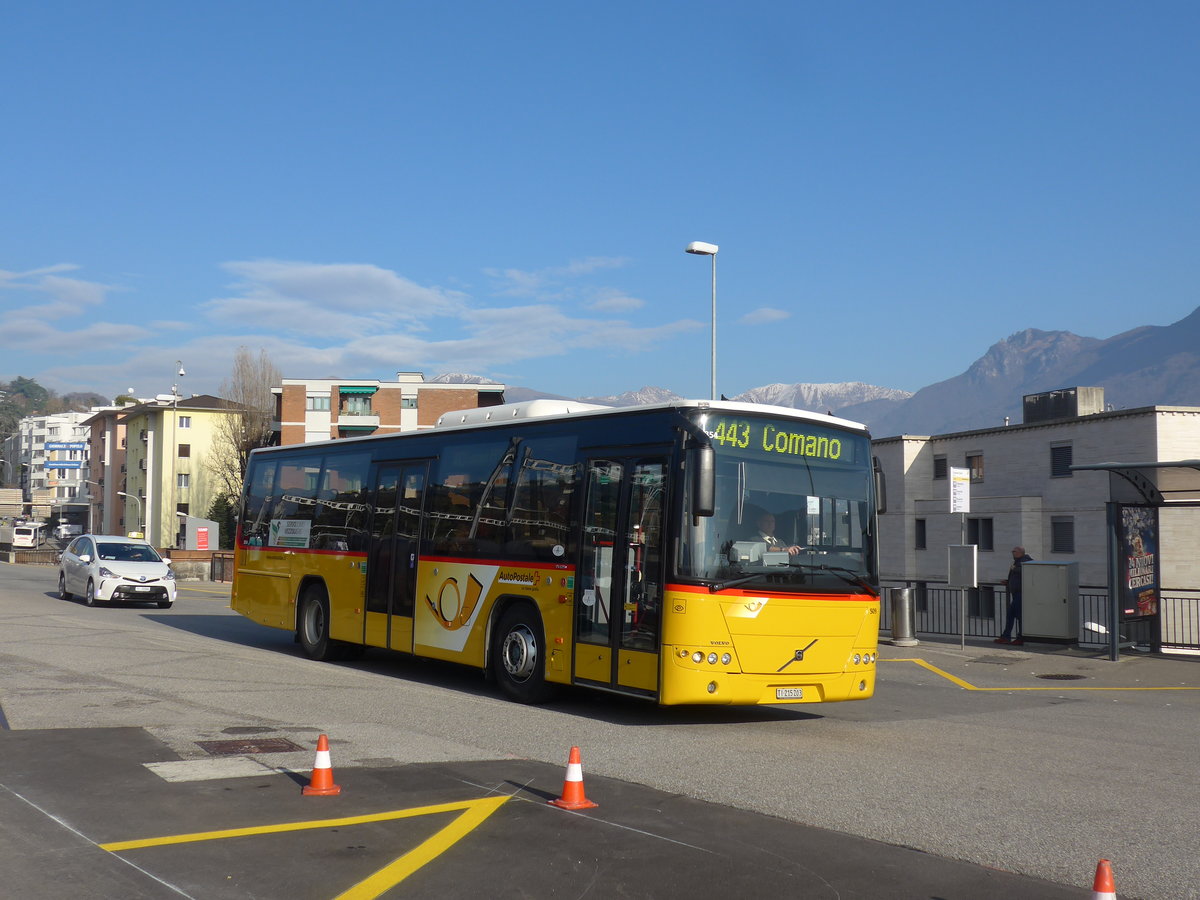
(175, 445)
(139, 503)
(92, 504)
(700, 248)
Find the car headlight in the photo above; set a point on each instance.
(106, 572)
(170, 576)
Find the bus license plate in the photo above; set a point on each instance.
(789, 693)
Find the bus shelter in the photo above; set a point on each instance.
(1137, 492)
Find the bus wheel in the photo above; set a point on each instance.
(89, 596)
(314, 625)
(63, 594)
(518, 658)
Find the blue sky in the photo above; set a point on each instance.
(506, 190)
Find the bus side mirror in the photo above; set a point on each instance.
(703, 466)
(880, 486)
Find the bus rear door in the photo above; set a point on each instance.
(619, 598)
(397, 501)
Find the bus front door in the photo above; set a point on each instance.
(397, 499)
(619, 597)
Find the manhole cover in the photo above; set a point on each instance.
(1062, 677)
(254, 745)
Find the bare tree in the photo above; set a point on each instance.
(247, 395)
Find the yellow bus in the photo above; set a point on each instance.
(687, 552)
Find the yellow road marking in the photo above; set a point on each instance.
(391, 875)
(966, 685)
(472, 814)
(200, 590)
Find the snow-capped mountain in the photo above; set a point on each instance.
(821, 397)
(1146, 366)
(636, 398)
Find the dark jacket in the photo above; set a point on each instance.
(1014, 573)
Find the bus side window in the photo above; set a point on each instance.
(259, 502)
(467, 496)
(541, 507)
(339, 515)
(296, 506)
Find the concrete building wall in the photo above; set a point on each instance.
(407, 404)
(1024, 499)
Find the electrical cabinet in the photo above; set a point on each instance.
(1050, 600)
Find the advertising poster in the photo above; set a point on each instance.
(1138, 546)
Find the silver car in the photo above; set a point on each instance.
(104, 568)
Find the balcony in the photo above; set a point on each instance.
(357, 421)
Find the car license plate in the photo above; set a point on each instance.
(141, 587)
(789, 693)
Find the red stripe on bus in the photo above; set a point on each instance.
(742, 592)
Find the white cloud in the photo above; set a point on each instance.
(39, 335)
(336, 299)
(519, 283)
(615, 302)
(314, 320)
(67, 296)
(764, 315)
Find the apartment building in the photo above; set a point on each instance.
(106, 472)
(1025, 489)
(319, 409)
(151, 464)
(50, 457)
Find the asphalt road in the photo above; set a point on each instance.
(1027, 775)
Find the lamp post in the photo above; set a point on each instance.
(175, 448)
(700, 248)
(139, 503)
(92, 505)
(3, 480)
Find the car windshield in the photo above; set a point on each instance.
(115, 552)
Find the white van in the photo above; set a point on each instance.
(65, 530)
(29, 535)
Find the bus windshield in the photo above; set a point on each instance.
(794, 509)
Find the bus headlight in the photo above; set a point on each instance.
(697, 657)
(726, 659)
(857, 659)
(712, 659)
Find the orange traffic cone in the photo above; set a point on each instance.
(572, 792)
(322, 784)
(1103, 887)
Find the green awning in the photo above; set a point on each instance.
(357, 389)
(342, 427)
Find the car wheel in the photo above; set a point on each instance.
(90, 596)
(164, 604)
(62, 587)
(518, 658)
(314, 625)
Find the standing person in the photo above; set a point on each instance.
(1020, 557)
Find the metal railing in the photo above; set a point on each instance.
(220, 568)
(937, 610)
(30, 557)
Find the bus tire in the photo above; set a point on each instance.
(63, 593)
(518, 655)
(314, 625)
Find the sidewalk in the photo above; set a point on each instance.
(1046, 664)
